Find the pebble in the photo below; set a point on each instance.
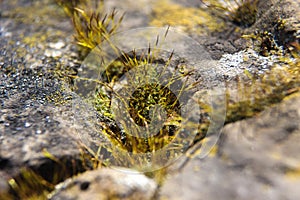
(53, 53)
(27, 124)
(57, 45)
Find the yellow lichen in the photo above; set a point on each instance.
(213, 152)
(293, 174)
(185, 18)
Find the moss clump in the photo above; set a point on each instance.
(189, 19)
(150, 95)
(140, 105)
(33, 183)
(282, 80)
(92, 27)
(264, 43)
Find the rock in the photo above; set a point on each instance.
(107, 184)
(37, 129)
(53, 53)
(272, 13)
(218, 46)
(257, 158)
(233, 65)
(57, 45)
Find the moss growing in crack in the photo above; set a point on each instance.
(34, 183)
(264, 90)
(264, 43)
(29, 185)
(140, 105)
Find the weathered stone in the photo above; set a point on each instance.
(107, 184)
(36, 113)
(270, 16)
(257, 158)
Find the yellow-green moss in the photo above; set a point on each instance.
(92, 25)
(188, 19)
(140, 104)
(29, 185)
(265, 91)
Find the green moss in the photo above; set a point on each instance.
(278, 41)
(91, 29)
(140, 104)
(264, 43)
(282, 80)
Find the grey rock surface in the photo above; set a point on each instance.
(36, 108)
(107, 184)
(256, 158)
(36, 113)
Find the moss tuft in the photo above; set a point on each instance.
(91, 25)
